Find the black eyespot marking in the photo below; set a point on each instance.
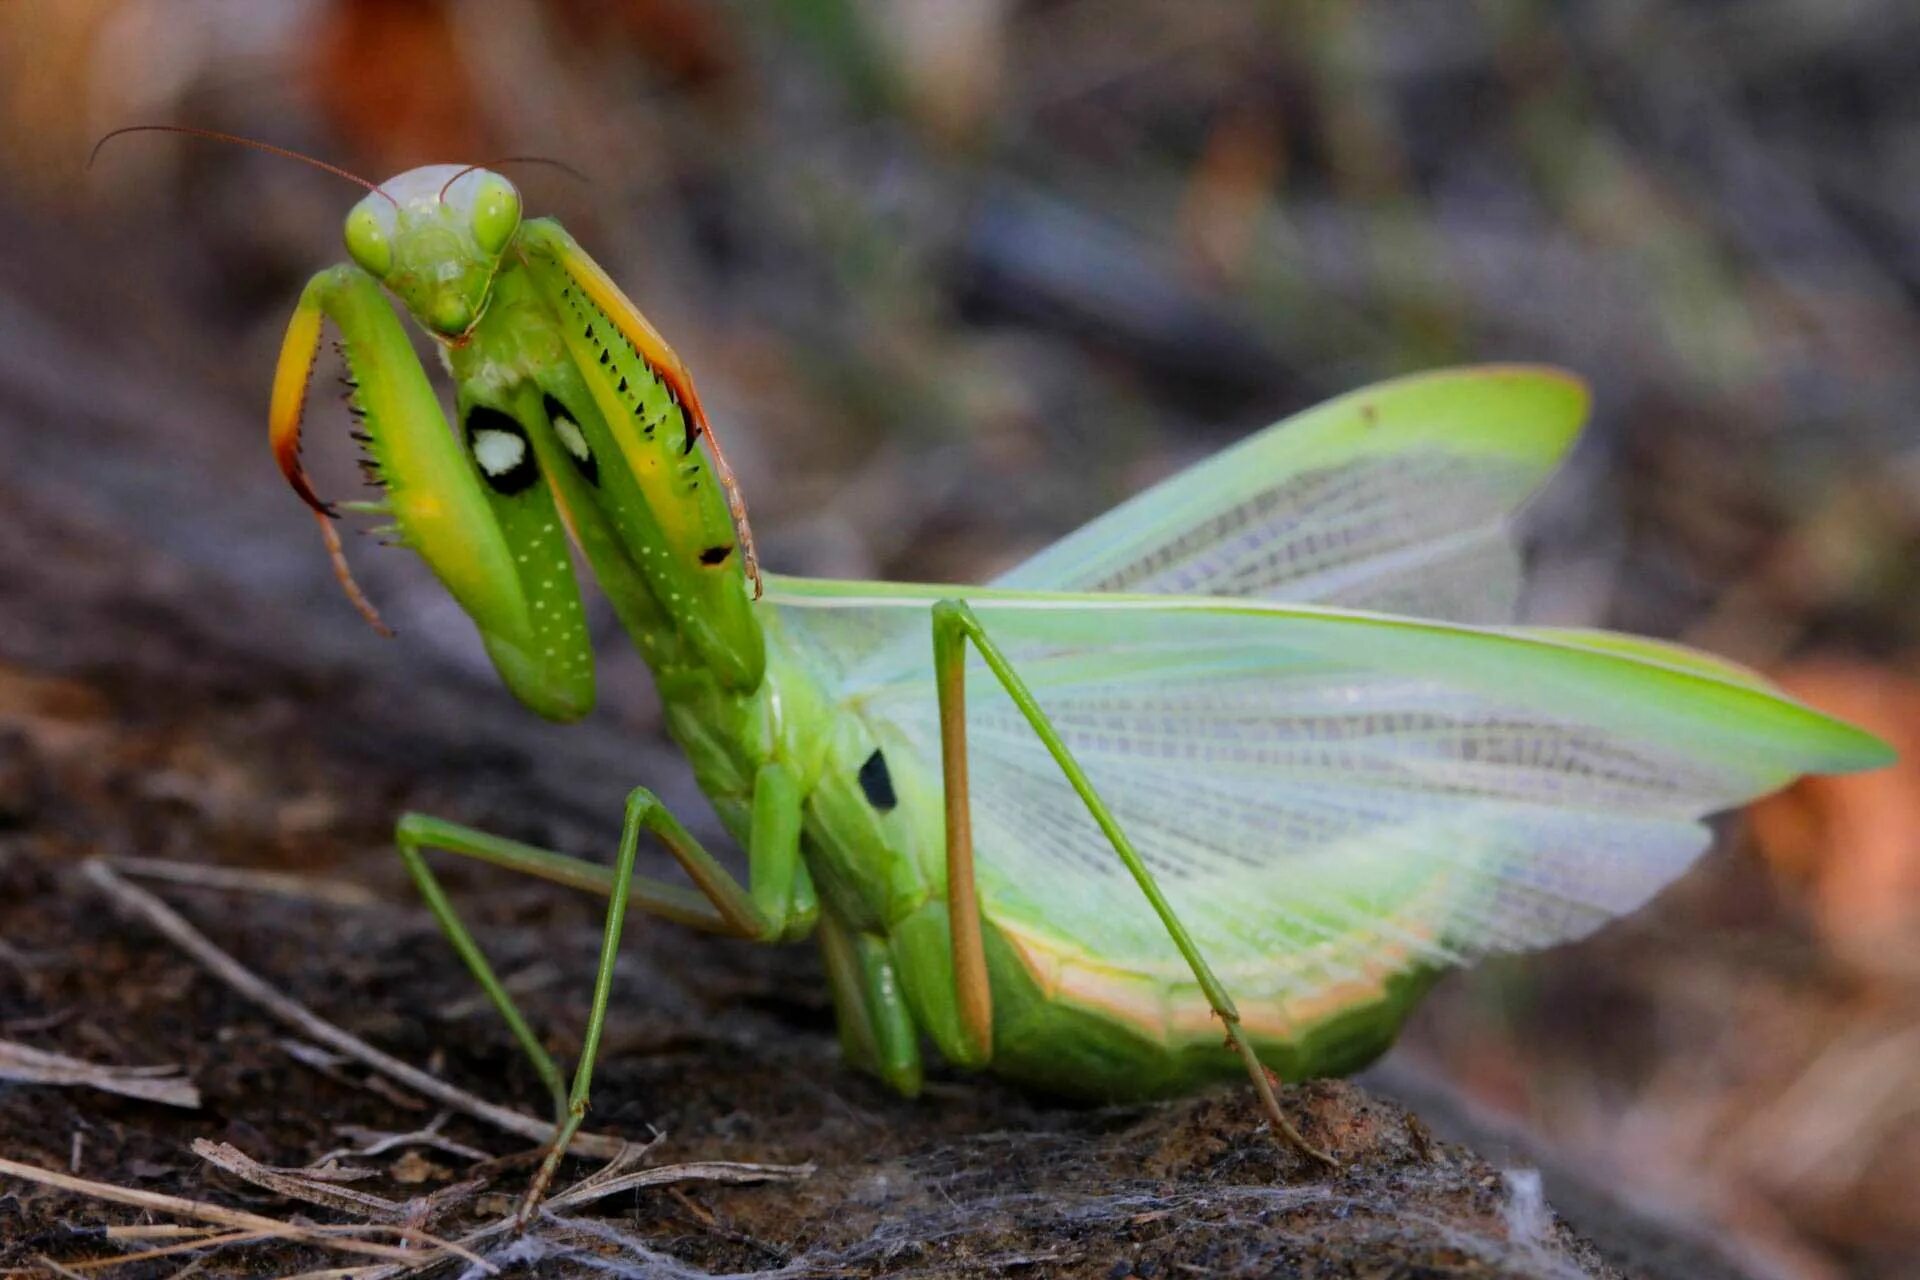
(501, 450)
(715, 555)
(877, 783)
(573, 440)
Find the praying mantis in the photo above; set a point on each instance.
(1219, 782)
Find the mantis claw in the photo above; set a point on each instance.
(290, 383)
(290, 379)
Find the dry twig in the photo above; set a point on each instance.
(379, 1143)
(203, 1240)
(281, 884)
(616, 1177)
(223, 966)
(297, 1187)
(202, 1211)
(23, 1064)
(244, 1227)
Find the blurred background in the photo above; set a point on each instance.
(955, 277)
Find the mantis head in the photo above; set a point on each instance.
(434, 237)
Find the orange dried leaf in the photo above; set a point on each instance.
(1854, 841)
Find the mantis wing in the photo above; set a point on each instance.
(1324, 795)
(1393, 498)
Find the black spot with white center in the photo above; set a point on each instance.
(573, 440)
(501, 450)
(877, 783)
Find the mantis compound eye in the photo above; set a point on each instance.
(496, 212)
(368, 241)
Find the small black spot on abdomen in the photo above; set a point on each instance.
(877, 783)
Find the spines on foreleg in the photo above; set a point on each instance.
(497, 547)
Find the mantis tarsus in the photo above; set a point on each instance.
(1256, 754)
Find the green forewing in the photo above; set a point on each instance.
(1393, 498)
(1321, 793)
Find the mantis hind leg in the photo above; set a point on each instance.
(780, 903)
(954, 625)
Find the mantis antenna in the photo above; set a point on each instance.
(329, 535)
(239, 141)
(551, 163)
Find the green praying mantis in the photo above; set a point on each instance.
(1254, 756)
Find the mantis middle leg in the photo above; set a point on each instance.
(777, 903)
(878, 1033)
(954, 625)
